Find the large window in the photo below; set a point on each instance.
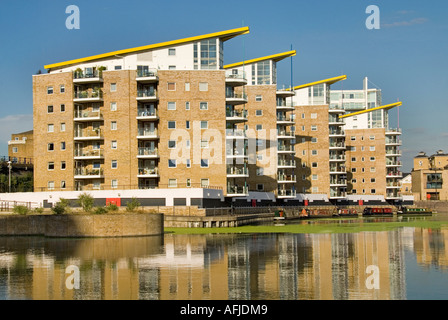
(261, 73)
(208, 54)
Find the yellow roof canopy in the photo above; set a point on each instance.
(222, 35)
(274, 57)
(386, 107)
(329, 81)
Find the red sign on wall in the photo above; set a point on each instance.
(115, 201)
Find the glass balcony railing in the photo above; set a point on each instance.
(236, 114)
(286, 193)
(88, 115)
(89, 172)
(235, 133)
(146, 74)
(148, 152)
(147, 133)
(147, 112)
(286, 163)
(88, 133)
(89, 153)
(147, 94)
(91, 74)
(147, 171)
(286, 177)
(86, 94)
(235, 171)
(237, 190)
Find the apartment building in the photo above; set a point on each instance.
(428, 176)
(373, 148)
(141, 118)
(21, 147)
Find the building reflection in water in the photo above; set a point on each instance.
(218, 267)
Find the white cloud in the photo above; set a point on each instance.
(405, 23)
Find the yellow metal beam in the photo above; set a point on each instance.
(223, 35)
(386, 107)
(275, 57)
(327, 81)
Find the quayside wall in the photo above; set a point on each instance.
(82, 226)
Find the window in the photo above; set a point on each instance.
(49, 90)
(203, 106)
(313, 128)
(373, 180)
(188, 163)
(208, 54)
(63, 165)
(50, 166)
(188, 183)
(303, 116)
(171, 52)
(353, 170)
(204, 144)
(62, 107)
(15, 150)
(63, 145)
(372, 191)
(260, 171)
(315, 189)
(50, 185)
(63, 184)
(171, 144)
(187, 86)
(203, 86)
(353, 180)
(172, 163)
(314, 152)
(187, 124)
(62, 88)
(171, 124)
(172, 67)
(314, 116)
(259, 127)
(187, 105)
(50, 109)
(313, 140)
(187, 144)
(113, 87)
(172, 183)
(171, 86)
(258, 98)
(372, 158)
(314, 165)
(113, 125)
(171, 105)
(114, 145)
(50, 128)
(259, 157)
(113, 106)
(353, 159)
(62, 127)
(114, 184)
(372, 169)
(204, 163)
(372, 137)
(96, 165)
(204, 124)
(117, 68)
(205, 183)
(259, 112)
(50, 146)
(353, 138)
(314, 177)
(114, 164)
(372, 148)
(96, 185)
(259, 143)
(260, 187)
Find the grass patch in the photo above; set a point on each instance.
(321, 226)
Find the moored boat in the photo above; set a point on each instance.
(377, 212)
(414, 211)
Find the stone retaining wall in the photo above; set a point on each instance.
(80, 226)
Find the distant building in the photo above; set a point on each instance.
(428, 175)
(20, 147)
(406, 184)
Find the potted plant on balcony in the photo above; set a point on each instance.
(78, 73)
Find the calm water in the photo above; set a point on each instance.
(412, 263)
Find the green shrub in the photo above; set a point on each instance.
(86, 201)
(61, 207)
(39, 210)
(112, 207)
(99, 210)
(22, 210)
(132, 205)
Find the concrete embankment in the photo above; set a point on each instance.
(81, 226)
(436, 206)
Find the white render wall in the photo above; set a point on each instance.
(37, 198)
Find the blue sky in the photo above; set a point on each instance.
(406, 58)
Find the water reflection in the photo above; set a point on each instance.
(263, 266)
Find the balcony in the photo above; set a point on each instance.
(235, 79)
(146, 134)
(88, 135)
(393, 153)
(393, 185)
(86, 96)
(338, 183)
(147, 95)
(89, 173)
(284, 194)
(394, 174)
(393, 163)
(286, 149)
(337, 194)
(284, 106)
(236, 134)
(393, 195)
(336, 133)
(337, 158)
(336, 108)
(237, 191)
(148, 153)
(285, 93)
(235, 172)
(236, 153)
(147, 114)
(393, 142)
(285, 178)
(285, 120)
(147, 76)
(92, 76)
(81, 154)
(337, 145)
(393, 132)
(86, 116)
(148, 173)
(284, 134)
(236, 115)
(337, 170)
(335, 121)
(236, 98)
(284, 164)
